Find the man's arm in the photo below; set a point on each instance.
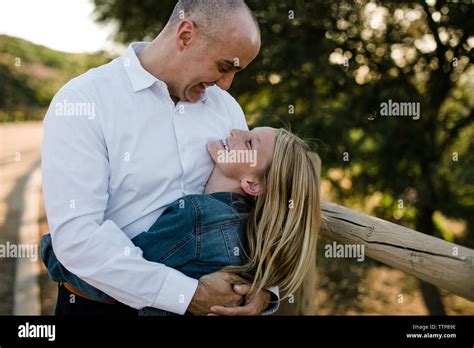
(213, 287)
(75, 183)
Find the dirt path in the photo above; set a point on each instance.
(20, 145)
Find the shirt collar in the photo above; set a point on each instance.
(139, 77)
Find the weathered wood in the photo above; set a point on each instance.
(443, 264)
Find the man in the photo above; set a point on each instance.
(124, 140)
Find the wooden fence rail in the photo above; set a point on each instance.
(436, 261)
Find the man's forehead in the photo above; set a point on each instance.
(242, 26)
(236, 53)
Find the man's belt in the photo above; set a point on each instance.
(79, 293)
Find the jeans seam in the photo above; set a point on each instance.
(180, 245)
(197, 227)
(227, 244)
(211, 227)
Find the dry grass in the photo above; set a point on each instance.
(387, 291)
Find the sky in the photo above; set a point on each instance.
(64, 25)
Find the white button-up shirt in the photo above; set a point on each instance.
(116, 151)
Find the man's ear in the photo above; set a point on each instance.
(251, 187)
(185, 33)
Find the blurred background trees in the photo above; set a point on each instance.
(30, 75)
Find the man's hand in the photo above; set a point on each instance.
(254, 303)
(214, 289)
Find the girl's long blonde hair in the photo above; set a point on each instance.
(283, 226)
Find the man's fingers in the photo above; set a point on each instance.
(242, 289)
(232, 311)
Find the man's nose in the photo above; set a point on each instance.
(226, 81)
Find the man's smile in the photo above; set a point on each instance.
(203, 85)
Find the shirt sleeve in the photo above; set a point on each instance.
(275, 301)
(75, 172)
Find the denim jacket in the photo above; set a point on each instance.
(196, 235)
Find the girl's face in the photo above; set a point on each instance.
(244, 154)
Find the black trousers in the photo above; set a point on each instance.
(70, 304)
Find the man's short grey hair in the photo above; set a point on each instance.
(209, 15)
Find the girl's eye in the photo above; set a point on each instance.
(222, 70)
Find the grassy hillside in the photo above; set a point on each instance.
(30, 75)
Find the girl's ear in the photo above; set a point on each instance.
(251, 187)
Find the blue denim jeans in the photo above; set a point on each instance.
(196, 235)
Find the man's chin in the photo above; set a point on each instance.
(194, 100)
(194, 95)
